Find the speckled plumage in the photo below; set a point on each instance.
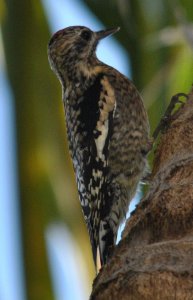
(108, 132)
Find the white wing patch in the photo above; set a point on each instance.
(100, 141)
(107, 104)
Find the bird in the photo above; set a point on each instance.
(107, 130)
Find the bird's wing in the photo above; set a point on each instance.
(96, 118)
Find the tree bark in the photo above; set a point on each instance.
(154, 259)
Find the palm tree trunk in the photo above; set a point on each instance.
(154, 258)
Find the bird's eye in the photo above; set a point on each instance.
(86, 35)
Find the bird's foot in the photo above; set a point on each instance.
(167, 117)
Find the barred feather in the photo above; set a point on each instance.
(108, 132)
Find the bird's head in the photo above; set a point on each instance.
(73, 45)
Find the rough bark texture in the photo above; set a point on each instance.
(154, 260)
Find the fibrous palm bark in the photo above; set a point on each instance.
(154, 258)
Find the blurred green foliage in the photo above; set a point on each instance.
(158, 38)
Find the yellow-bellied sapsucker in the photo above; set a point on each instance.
(108, 131)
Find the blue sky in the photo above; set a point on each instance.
(11, 270)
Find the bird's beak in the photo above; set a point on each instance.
(104, 33)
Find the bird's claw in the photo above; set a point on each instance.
(165, 120)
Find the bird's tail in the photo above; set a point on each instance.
(106, 241)
(101, 250)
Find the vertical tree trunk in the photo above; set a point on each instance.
(154, 260)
